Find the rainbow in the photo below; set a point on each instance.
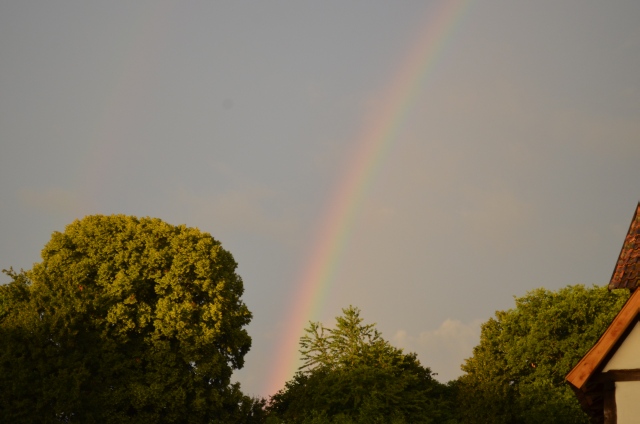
(374, 142)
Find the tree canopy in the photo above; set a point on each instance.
(123, 320)
(516, 373)
(350, 374)
(129, 320)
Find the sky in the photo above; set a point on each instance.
(425, 161)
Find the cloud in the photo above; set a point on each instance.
(54, 200)
(443, 349)
(599, 134)
(494, 217)
(240, 210)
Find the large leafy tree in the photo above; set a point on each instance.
(124, 320)
(351, 374)
(516, 373)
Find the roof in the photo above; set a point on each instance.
(584, 377)
(599, 353)
(626, 274)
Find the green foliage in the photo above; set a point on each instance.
(516, 373)
(250, 411)
(352, 375)
(124, 320)
(349, 344)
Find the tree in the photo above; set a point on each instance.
(516, 373)
(124, 320)
(352, 375)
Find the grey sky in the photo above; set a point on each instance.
(516, 168)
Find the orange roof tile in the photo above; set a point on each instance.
(626, 274)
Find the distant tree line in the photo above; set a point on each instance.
(130, 320)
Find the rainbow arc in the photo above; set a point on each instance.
(372, 146)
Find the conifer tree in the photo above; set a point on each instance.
(350, 374)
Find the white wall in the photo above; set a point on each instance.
(627, 405)
(628, 354)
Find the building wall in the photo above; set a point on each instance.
(627, 393)
(627, 404)
(628, 354)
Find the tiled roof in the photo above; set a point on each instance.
(627, 271)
